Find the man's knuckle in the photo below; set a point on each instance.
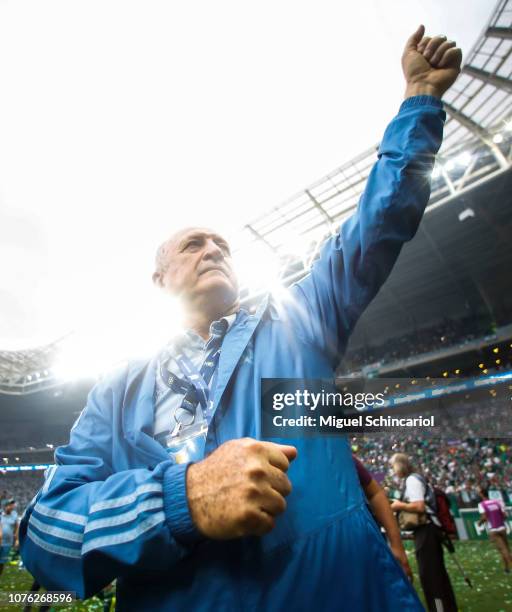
(249, 445)
(251, 491)
(255, 471)
(256, 446)
(248, 518)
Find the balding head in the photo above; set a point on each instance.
(162, 253)
(195, 265)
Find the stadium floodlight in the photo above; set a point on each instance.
(258, 266)
(437, 171)
(450, 165)
(467, 213)
(132, 335)
(508, 125)
(280, 292)
(463, 159)
(497, 138)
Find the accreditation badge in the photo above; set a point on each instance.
(188, 444)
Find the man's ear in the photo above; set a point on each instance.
(157, 279)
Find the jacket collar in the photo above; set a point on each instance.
(234, 345)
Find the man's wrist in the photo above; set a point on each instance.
(176, 506)
(421, 89)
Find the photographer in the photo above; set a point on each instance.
(418, 501)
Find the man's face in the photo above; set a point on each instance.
(397, 469)
(9, 508)
(198, 265)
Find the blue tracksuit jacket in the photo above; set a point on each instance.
(115, 505)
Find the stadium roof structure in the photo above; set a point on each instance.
(477, 148)
(28, 370)
(456, 271)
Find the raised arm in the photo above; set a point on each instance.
(88, 525)
(355, 263)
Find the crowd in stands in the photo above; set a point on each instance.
(16, 437)
(473, 448)
(22, 486)
(446, 334)
(459, 467)
(44, 455)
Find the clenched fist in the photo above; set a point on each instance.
(430, 65)
(240, 488)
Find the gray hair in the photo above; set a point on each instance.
(161, 257)
(403, 460)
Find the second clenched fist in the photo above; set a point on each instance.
(240, 488)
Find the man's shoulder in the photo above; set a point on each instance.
(415, 477)
(415, 482)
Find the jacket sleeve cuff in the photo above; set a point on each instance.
(177, 511)
(415, 101)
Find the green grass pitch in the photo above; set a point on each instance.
(491, 592)
(492, 588)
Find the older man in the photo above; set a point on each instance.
(418, 498)
(166, 483)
